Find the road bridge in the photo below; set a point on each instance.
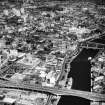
(53, 90)
(92, 45)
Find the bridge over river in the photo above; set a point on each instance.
(51, 90)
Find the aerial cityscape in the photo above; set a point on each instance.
(38, 42)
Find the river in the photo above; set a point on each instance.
(80, 71)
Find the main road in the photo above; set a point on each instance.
(52, 90)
